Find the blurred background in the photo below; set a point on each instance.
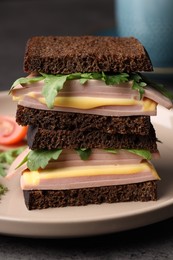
(21, 19)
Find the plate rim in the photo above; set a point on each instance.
(153, 209)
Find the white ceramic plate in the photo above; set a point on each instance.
(16, 220)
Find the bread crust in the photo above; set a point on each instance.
(70, 54)
(55, 120)
(41, 199)
(39, 138)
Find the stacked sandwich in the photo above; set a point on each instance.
(88, 110)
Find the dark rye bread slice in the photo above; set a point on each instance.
(69, 54)
(54, 120)
(42, 199)
(39, 138)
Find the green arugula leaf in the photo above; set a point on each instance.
(84, 77)
(116, 79)
(53, 84)
(109, 150)
(2, 170)
(25, 80)
(25, 159)
(143, 153)
(98, 76)
(84, 153)
(39, 158)
(138, 84)
(7, 157)
(83, 81)
(76, 75)
(159, 87)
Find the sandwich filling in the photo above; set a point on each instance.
(83, 169)
(77, 177)
(92, 97)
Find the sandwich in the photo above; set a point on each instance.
(87, 107)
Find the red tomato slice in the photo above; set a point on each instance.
(10, 131)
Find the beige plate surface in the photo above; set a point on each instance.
(16, 220)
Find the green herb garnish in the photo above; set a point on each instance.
(111, 150)
(116, 79)
(84, 153)
(3, 190)
(7, 157)
(141, 152)
(138, 84)
(159, 87)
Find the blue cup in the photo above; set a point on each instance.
(151, 21)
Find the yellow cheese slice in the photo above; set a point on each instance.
(84, 102)
(93, 102)
(34, 177)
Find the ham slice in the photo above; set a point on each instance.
(103, 110)
(70, 158)
(41, 182)
(158, 97)
(12, 169)
(93, 88)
